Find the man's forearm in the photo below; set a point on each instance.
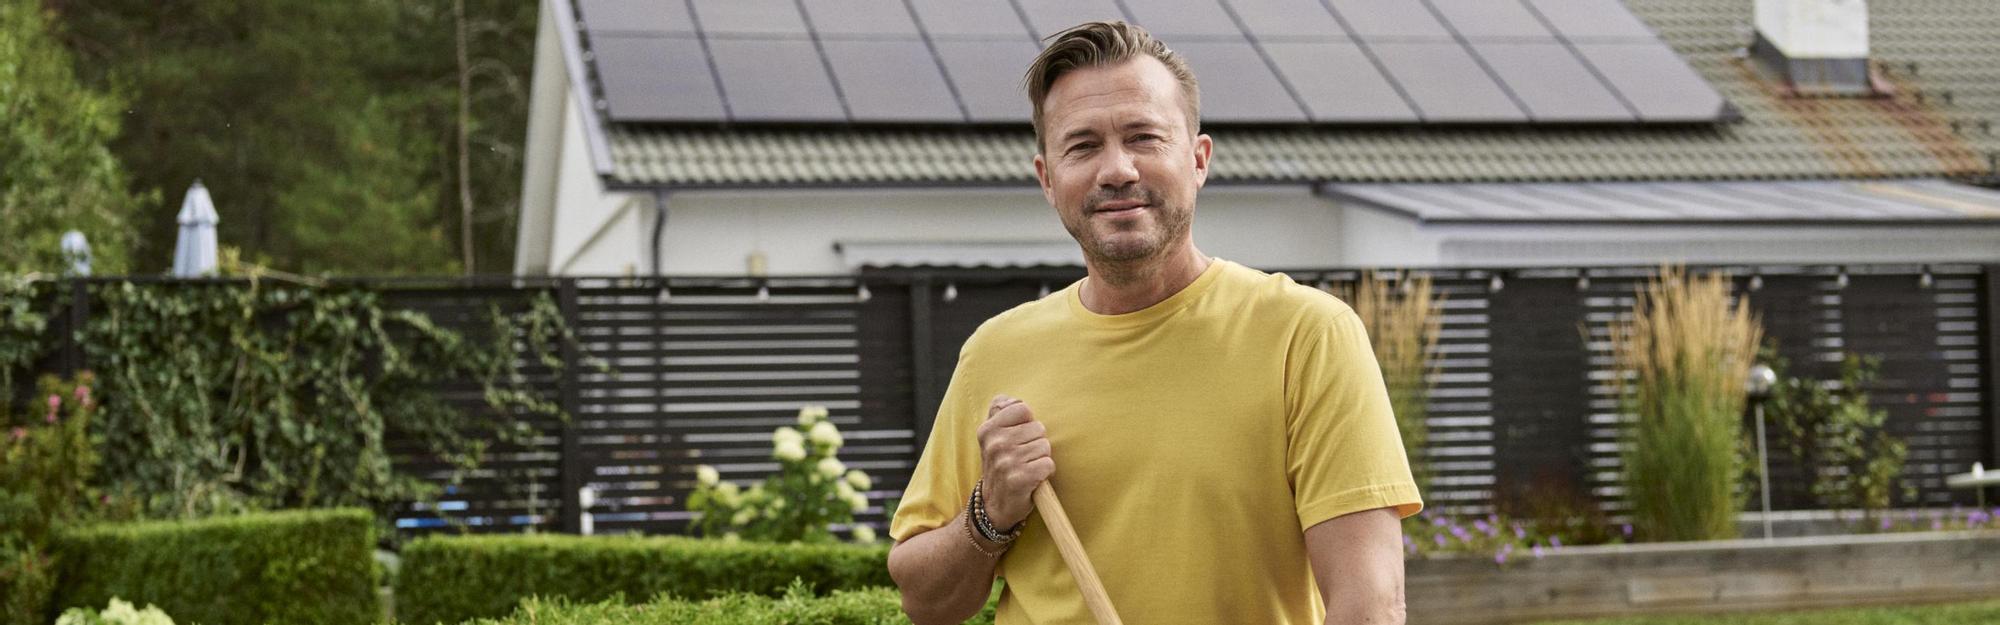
(943, 578)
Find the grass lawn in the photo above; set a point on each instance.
(1939, 614)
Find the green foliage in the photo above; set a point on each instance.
(56, 173)
(1500, 538)
(47, 461)
(307, 567)
(120, 612)
(1830, 427)
(1683, 353)
(226, 396)
(21, 329)
(811, 490)
(325, 130)
(798, 606)
(450, 579)
(1987, 611)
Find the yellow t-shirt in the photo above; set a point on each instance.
(1194, 442)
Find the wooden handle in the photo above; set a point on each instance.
(1073, 555)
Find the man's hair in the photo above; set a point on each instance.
(1097, 44)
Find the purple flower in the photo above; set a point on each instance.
(1628, 530)
(1460, 533)
(1440, 539)
(1557, 541)
(1480, 525)
(1519, 532)
(1937, 524)
(1438, 522)
(1885, 524)
(1500, 557)
(1538, 551)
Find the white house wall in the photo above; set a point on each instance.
(715, 232)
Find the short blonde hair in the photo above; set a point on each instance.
(1097, 44)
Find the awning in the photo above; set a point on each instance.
(1799, 202)
(858, 254)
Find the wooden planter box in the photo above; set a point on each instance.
(1715, 576)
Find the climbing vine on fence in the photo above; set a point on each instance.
(254, 394)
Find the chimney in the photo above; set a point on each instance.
(1818, 47)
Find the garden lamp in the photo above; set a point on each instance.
(1758, 388)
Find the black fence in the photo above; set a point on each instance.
(702, 370)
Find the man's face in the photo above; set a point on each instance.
(1118, 163)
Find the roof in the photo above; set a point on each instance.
(1816, 201)
(1941, 57)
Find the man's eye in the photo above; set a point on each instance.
(1144, 138)
(1081, 148)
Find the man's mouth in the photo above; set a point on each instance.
(1120, 208)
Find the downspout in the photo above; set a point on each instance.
(660, 196)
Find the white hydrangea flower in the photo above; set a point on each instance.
(859, 480)
(790, 450)
(824, 433)
(730, 538)
(831, 468)
(809, 414)
(728, 494)
(864, 534)
(778, 504)
(842, 490)
(744, 516)
(706, 475)
(782, 435)
(858, 502)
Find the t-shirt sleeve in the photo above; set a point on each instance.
(1344, 453)
(950, 464)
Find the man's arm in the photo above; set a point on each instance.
(942, 577)
(1358, 560)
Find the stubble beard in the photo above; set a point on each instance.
(1123, 258)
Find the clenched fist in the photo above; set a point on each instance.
(1014, 456)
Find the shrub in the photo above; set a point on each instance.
(119, 612)
(1683, 355)
(811, 491)
(449, 579)
(798, 606)
(310, 566)
(46, 465)
(1832, 430)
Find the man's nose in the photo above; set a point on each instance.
(1117, 169)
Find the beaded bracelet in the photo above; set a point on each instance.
(985, 523)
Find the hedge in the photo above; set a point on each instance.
(872, 606)
(280, 568)
(449, 579)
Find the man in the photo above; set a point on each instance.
(1223, 435)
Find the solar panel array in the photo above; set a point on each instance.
(1259, 61)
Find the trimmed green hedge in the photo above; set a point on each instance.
(872, 606)
(304, 567)
(448, 579)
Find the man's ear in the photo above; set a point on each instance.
(1204, 147)
(1042, 176)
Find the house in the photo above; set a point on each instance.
(774, 137)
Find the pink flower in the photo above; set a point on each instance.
(55, 401)
(18, 433)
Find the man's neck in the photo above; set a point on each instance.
(1120, 288)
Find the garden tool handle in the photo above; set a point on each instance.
(1064, 534)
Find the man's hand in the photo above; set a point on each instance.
(1014, 456)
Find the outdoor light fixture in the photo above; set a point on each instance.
(763, 292)
(1756, 282)
(1044, 291)
(951, 291)
(1325, 284)
(664, 294)
(1925, 281)
(1583, 282)
(1758, 388)
(1496, 283)
(862, 294)
(1840, 281)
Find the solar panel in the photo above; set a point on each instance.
(1236, 85)
(1579, 20)
(861, 18)
(1185, 19)
(775, 80)
(1338, 83)
(988, 77)
(1053, 16)
(970, 18)
(1445, 83)
(1655, 80)
(1389, 19)
(749, 17)
(636, 16)
(1476, 19)
(1551, 82)
(656, 79)
(1260, 61)
(891, 80)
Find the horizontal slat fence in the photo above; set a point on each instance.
(701, 370)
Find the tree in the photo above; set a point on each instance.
(56, 173)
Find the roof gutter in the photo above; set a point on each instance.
(564, 13)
